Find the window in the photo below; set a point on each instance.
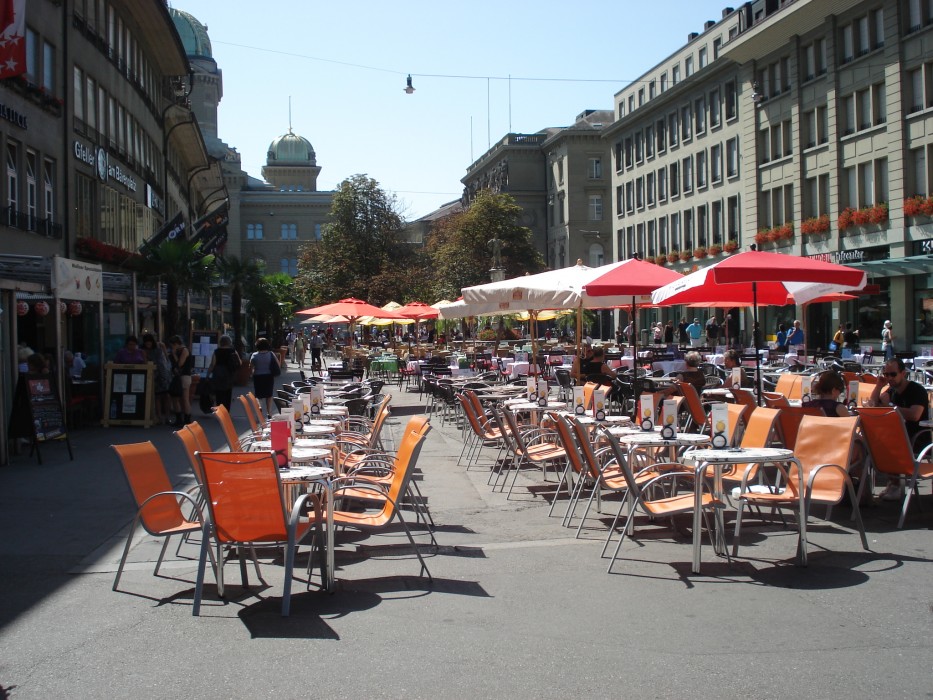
(639, 147)
(774, 141)
(672, 128)
(814, 59)
(703, 58)
(700, 115)
(662, 235)
(649, 189)
(652, 242)
(675, 75)
(652, 90)
(91, 103)
(862, 35)
(662, 185)
(640, 193)
(32, 56)
(816, 196)
(919, 14)
(815, 127)
(620, 200)
(78, 87)
(661, 129)
(32, 191)
(864, 109)
(732, 218)
(732, 101)
(641, 96)
(701, 168)
(254, 232)
(675, 179)
(289, 232)
(288, 266)
(918, 172)
(688, 66)
(48, 67)
(715, 163)
(596, 207)
(630, 197)
(686, 119)
(715, 109)
(663, 82)
(914, 98)
(48, 181)
(649, 141)
(688, 229)
(687, 169)
(717, 45)
(629, 152)
(595, 168)
(85, 205)
(775, 207)
(631, 103)
(732, 157)
(716, 222)
(317, 232)
(675, 232)
(619, 161)
(702, 237)
(12, 178)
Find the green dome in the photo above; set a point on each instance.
(291, 149)
(193, 34)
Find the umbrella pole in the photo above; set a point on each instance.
(636, 385)
(755, 335)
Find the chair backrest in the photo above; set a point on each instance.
(736, 421)
(694, 405)
(824, 440)
(190, 443)
(226, 424)
(200, 437)
(588, 390)
(789, 385)
(514, 432)
(244, 496)
(565, 435)
(760, 427)
(146, 476)
(260, 416)
(563, 378)
(357, 406)
(746, 398)
(888, 442)
(585, 445)
(250, 416)
(406, 457)
(789, 422)
(774, 400)
(848, 376)
(868, 378)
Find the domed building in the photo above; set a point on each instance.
(269, 219)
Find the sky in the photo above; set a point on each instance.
(342, 67)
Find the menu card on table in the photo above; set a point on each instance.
(719, 418)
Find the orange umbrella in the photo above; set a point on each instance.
(352, 309)
(418, 310)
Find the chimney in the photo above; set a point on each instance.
(726, 11)
(692, 35)
(708, 24)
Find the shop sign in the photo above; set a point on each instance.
(854, 255)
(153, 200)
(100, 161)
(922, 247)
(11, 115)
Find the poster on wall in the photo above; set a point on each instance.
(73, 279)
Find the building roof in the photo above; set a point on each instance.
(193, 34)
(291, 149)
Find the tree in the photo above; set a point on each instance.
(239, 275)
(183, 268)
(361, 252)
(272, 302)
(461, 246)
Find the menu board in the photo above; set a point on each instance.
(38, 413)
(128, 394)
(201, 347)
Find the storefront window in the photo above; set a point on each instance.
(923, 305)
(873, 311)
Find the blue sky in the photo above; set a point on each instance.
(344, 66)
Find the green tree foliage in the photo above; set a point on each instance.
(272, 302)
(239, 276)
(361, 252)
(460, 246)
(183, 268)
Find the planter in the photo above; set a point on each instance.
(730, 247)
(715, 250)
(865, 216)
(699, 253)
(918, 206)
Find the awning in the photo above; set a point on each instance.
(897, 267)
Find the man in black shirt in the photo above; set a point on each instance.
(911, 401)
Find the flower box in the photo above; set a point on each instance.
(715, 249)
(699, 252)
(685, 255)
(673, 256)
(815, 225)
(850, 217)
(730, 246)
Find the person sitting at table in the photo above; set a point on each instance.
(578, 362)
(910, 400)
(691, 375)
(732, 360)
(825, 393)
(130, 353)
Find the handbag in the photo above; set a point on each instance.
(833, 346)
(274, 368)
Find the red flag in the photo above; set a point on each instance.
(12, 38)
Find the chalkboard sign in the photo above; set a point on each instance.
(38, 414)
(128, 394)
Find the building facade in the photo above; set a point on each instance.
(801, 127)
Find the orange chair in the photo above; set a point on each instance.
(746, 399)
(823, 450)
(774, 400)
(532, 444)
(788, 385)
(666, 506)
(758, 433)
(245, 506)
(789, 422)
(696, 412)
(250, 415)
(402, 469)
(157, 504)
(257, 408)
(891, 453)
(235, 442)
(482, 432)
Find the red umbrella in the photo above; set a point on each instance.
(418, 310)
(762, 278)
(624, 284)
(352, 309)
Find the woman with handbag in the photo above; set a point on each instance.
(265, 368)
(180, 387)
(224, 364)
